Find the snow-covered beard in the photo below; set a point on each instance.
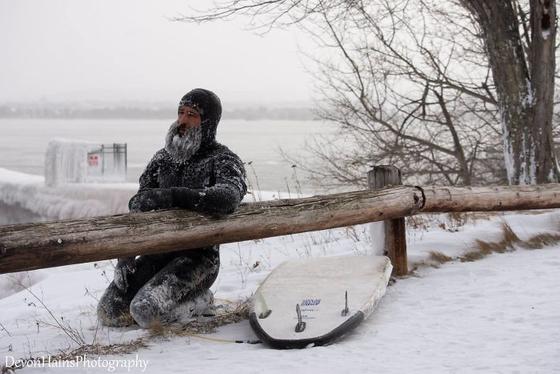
(182, 148)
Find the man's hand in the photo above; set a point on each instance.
(125, 267)
(152, 199)
(166, 198)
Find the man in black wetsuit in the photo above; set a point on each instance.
(193, 172)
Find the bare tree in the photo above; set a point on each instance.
(520, 43)
(404, 100)
(427, 85)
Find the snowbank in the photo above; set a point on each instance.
(26, 198)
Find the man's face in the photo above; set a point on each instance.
(188, 118)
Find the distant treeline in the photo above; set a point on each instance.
(129, 112)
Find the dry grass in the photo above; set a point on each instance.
(434, 260)
(231, 313)
(509, 241)
(109, 349)
(158, 329)
(484, 248)
(236, 314)
(541, 240)
(473, 256)
(439, 258)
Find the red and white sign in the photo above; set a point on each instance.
(93, 160)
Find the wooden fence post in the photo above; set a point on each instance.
(395, 231)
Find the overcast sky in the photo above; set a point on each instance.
(122, 50)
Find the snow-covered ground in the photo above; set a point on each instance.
(500, 314)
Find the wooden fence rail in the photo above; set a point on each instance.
(42, 245)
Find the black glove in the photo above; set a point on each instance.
(152, 199)
(186, 198)
(125, 267)
(165, 198)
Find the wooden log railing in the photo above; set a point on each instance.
(42, 245)
(39, 245)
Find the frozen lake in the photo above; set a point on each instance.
(23, 143)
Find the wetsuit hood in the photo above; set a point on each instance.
(210, 108)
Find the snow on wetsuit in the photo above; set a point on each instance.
(210, 181)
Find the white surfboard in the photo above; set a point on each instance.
(314, 301)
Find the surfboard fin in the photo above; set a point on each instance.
(300, 326)
(345, 311)
(262, 306)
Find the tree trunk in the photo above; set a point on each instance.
(543, 65)
(524, 84)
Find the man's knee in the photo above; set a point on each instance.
(146, 311)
